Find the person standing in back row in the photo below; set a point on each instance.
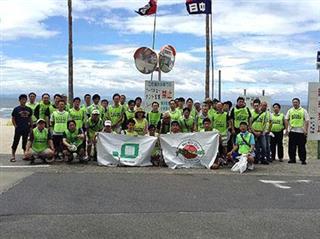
(276, 134)
(297, 123)
(22, 122)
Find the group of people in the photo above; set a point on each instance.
(61, 131)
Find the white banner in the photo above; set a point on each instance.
(115, 149)
(190, 150)
(158, 91)
(314, 111)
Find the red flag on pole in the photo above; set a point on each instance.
(149, 9)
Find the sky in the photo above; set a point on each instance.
(258, 44)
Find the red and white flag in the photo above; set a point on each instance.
(149, 9)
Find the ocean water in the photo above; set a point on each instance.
(6, 106)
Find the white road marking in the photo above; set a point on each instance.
(303, 181)
(24, 166)
(276, 183)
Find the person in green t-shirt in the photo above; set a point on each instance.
(32, 104)
(128, 114)
(65, 98)
(244, 144)
(197, 107)
(204, 114)
(77, 114)
(156, 152)
(141, 126)
(138, 103)
(54, 107)
(107, 127)
(174, 113)
(154, 116)
(40, 143)
(87, 103)
(41, 111)
(58, 121)
(277, 127)
(94, 125)
(115, 113)
(165, 123)
(186, 122)
(130, 128)
(193, 112)
(104, 105)
(123, 102)
(73, 142)
(96, 105)
(257, 127)
(181, 103)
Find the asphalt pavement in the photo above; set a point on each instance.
(87, 201)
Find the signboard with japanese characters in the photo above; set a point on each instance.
(314, 111)
(159, 91)
(318, 60)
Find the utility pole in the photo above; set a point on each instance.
(220, 85)
(207, 79)
(70, 54)
(318, 68)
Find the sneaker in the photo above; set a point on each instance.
(303, 162)
(32, 159)
(250, 166)
(291, 161)
(264, 162)
(280, 160)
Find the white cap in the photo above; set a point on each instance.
(95, 112)
(107, 123)
(40, 120)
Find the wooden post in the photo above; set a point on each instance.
(70, 54)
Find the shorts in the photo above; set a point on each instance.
(42, 153)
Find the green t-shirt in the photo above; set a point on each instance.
(72, 137)
(60, 121)
(94, 127)
(115, 113)
(32, 107)
(78, 116)
(186, 125)
(175, 115)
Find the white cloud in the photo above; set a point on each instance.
(20, 18)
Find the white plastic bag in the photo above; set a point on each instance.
(240, 166)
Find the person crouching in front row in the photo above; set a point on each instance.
(40, 144)
(73, 143)
(130, 131)
(244, 145)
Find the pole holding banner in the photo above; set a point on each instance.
(318, 68)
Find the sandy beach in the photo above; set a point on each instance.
(6, 137)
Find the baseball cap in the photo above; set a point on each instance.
(40, 120)
(107, 123)
(95, 112)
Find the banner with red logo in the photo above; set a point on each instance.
(190, 150)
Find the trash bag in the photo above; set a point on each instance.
(240, 166)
